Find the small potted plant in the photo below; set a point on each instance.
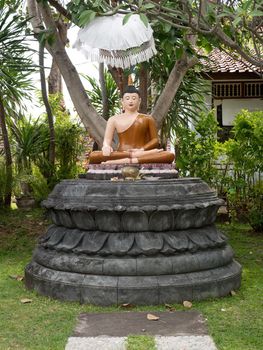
(24, 193)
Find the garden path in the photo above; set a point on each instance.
(179, 330)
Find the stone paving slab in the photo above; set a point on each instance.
(97, 343)
(200, 342)
(121, 324)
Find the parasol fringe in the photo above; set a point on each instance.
(121, 58)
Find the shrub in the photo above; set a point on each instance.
(196, 152)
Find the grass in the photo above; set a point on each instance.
(140, 342)
(235, 322)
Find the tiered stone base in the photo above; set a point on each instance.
(139, 242)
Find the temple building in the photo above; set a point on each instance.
(235, 85)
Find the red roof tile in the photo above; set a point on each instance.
(219, 61)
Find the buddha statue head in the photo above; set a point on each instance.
(131, 99)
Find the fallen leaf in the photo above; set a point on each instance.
(26, 301)
(233, 293)
(13, 277)
(170, 307)
(16, 277)
(115, 178)
(187, 304)
(127, 306)
(152, 317)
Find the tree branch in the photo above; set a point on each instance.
(64, 12)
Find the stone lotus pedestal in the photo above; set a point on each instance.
(138, 242)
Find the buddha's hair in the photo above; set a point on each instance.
(130, 89)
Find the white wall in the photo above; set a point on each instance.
(231, 107)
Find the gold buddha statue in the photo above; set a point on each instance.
(138, 138)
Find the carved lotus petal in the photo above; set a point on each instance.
(178, 241)
(192, 246)
(199, 239)
(167, 249)
(48, 234)
(70, 240)
(54, 216)
(92, 242)
(185, 219)
(211, 214)
(200, 217)
(108, 220)
(161, 221)
(55, 237)
(83, 220)
(134, 221)
(120, 243)
(149, 243)
(216, 236)
(65, 218)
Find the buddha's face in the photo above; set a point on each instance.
(131, 102)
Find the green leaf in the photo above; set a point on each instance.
(144, 19)
(247, 4)
(149, 6)
(140, 3)
(167, 27)
(179, 52)
(86, 17)
(126, 18)
(97, 3)
(236, 21)
(256, 13)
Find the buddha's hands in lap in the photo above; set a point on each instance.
(106, 150)
(138, 152)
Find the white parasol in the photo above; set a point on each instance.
(106, 39)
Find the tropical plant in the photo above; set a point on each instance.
(70, 146)
(95, 94)
(39, 185)
(29, 141)
(15, 66)
(188, 104)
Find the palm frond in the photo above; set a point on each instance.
(15, 56)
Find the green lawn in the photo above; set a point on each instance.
(235, 322)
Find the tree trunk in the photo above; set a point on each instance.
(119, 77)
(54, 78)
(105, 101)
(143, 77)
(51, 156)
(8, 157)
(176, 76)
